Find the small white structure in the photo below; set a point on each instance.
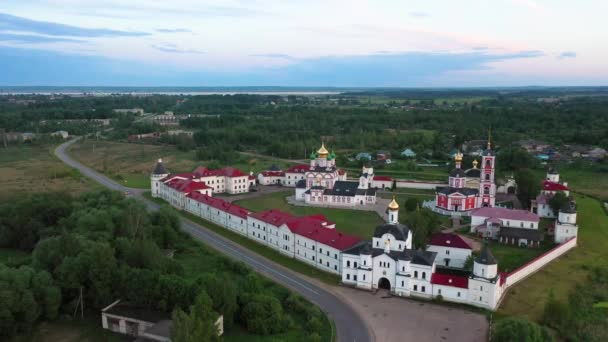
(484, 287)
(452, 250)
(158, 173)
(565, 225)
(549, 187)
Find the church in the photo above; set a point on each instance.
(468, 189)
(326, 185)
(389, 262)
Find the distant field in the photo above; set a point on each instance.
(131, 164)
(528, 297)
(355, 222)
(28, 168)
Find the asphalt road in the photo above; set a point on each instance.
(349, 325)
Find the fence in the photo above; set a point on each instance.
(540, 261)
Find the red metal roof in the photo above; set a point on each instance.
(273, 216)
(220, 204)
(450, 280)
(552, 186)
(273, 173)
(383, 178)
(300, 168)
(315, 228)
(186, 185)
(231, 172)
(449, 240)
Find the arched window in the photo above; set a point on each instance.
(487, 176)
(347, 263)
(488, 162)
(415, 274)
(486, 190)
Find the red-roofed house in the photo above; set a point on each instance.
(450, 287)
(382, 182)
(271, 177)
(174, 189)
(228, 179)
(219, 211)
(294, 174)
(549, 187)
(452, 250)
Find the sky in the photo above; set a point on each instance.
(340, 43)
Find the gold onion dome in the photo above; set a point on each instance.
(475, 162)
(322, 151)
(393, 205)
(458, 156)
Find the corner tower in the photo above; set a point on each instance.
(158, 173)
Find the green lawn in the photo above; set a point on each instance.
(511, 257)
(356, 222)
(528, 297)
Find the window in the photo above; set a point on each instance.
(399, 246)
(364, 277)
(480, 288)
(377, 243)
(336, 267)
(320, 250)
(521, 224)
(480, 299)
(320, 261)
(487, 176)
(458, 294)
(415, 274)
(335, 256)
(348, 264)
(355, 264)
(355, 277)
(347, 276)
(313, 258)
(447, 252)
(423, 275)
(422, 290)
(439, 292)
(415, 287)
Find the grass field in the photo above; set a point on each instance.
(528, 297)
(356, 222)
(131, 164)
(29, 168)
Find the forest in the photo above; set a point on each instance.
(290, 126)
(106, 246)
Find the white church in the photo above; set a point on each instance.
(326, 185)
(389, 262)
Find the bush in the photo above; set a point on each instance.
(263, 315)
(519, 329)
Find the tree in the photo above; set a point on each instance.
(223, 292)
(411, 204)
(198, 325)
(558, 201)
(263, 315)
(528, 186)
(520, 329)
(556, 313)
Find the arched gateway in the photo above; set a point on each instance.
(384, 283)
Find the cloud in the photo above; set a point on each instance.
(567, 54)
(272, 55)
(19, 24)
(34, 39)
(408, 69)
(418, 14)
(172, 48)
(179, 30)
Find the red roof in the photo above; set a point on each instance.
(251, 177)
(450, 280)
(449, 240)
(220, 204)
(273, 173)
(273, 216)
(552, 186)
(186, 185)
(315, 228)
(231, 172)
(383, 178)
(300, 168)
(341, 172)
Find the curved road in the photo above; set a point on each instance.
(349, 325)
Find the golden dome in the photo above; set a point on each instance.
(475, 162)
(323, 152)
(393, 205)
(458, 157)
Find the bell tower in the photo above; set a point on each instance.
(487, 187)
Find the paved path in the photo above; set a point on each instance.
(349, 324)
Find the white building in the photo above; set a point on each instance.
(451, 249)
(272, 176)
(485, 288)
(326, 185)
(295, 174)
(549, 187)
(487, 222)
(565, 225)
